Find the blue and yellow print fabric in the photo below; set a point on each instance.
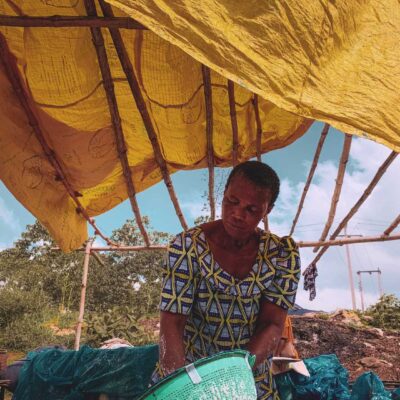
(222, 311)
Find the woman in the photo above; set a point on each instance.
(228, 284)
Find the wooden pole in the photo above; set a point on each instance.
(83, 293)
(141, 105)
(381, 170)
(392, 226)
(258, 127)
(57, 21)
(235, 133)
(115, 117)
(12, 73)
(338, 187)
(379, 173)
(314, 164)
(340, 242)
(209, 133)
(350, 273)
(300, 243)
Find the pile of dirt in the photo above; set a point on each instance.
(359, 348)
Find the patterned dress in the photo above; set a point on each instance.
(222, 311)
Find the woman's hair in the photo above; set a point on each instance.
(262, 175)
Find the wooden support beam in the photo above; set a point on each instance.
(57, 21)
(10, 66)
(392, 226)
(98, 41)
(235, 133)
(258, 127)
(338, 187)
(310, 175)
(209, 132)
(341, 242)
(141, 105)
(379, 173)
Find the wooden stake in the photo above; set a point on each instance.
(258, 127)
(83, 293)
(57, 21)
(314, 164)
(115, 117)
(392, 226)
(12, 72)
(338, 187)
(235, 134)
(209, 132)
(141, 105)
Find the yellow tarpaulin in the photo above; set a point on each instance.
(337, 63)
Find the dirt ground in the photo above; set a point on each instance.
(358, 348)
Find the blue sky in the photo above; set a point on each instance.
(292, 164)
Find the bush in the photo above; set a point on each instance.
(26, 333)
(385, 313)
(15, 303)
(118, 322)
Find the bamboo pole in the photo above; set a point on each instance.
(235, 134)
(300, 243)
(392, 226)
(141, 105)
(83, 293)
(209, 133)
(12, 72)
(58, 21)
(258, 127)
(314, 164)
(120, 248)
(341, 242)
(115, 117)
(379, 173)
(338, 187)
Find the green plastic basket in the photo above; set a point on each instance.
(224, 376)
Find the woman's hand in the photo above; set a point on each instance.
(172, 348)
(270, 324)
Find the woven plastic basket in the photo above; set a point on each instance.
(224, 376)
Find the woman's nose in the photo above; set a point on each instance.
(238, 213)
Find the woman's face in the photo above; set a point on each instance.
(243, 206)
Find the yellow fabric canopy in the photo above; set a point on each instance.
(334, 63)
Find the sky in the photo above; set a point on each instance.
(292, 164)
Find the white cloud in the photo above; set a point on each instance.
(374, 216)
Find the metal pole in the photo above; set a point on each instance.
(83, 292)
(361, 290)
(350, 271)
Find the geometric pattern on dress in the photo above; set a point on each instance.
(222, 311)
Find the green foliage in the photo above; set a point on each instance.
(15, 303)
(118, 322)
(26, 333)
(385, 313)
(37, 281)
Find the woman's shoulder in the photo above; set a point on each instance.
(273, 240)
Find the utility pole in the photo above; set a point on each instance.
(376, 271)
(349, 269)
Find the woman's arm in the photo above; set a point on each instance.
(270, 324)
(172, 348)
